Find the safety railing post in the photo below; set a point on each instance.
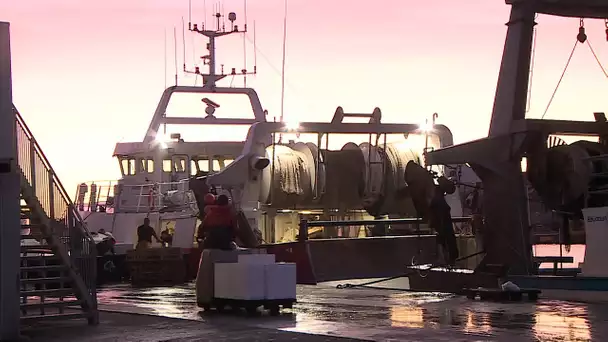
(51, 195)
(33, 165)
(303, 231)
(157, 195)
(141, 190)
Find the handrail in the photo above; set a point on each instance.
(142, 197)
(374, 222)
(62, 226)
(48, 168)
(304, 224)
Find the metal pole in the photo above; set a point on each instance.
(9, 199)
(303, 231)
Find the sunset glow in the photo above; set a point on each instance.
(89, 74)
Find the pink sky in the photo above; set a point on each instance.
(89, 74)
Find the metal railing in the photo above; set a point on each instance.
(65, 224)
(96, 196)
(305, 224)
(135, 198)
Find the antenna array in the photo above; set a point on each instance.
(220, 30)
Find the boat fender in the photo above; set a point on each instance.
(510, 286)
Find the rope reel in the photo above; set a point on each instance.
(357, 176)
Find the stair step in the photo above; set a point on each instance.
(35, 318)
(63, 292)
(44, 259)
(65, 280)
(32, 226)
(50, 304)
(35, 248)
(32, 236)
(42, 254)
(44, 268)
(29, 248)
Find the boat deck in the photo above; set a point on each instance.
(363, 314)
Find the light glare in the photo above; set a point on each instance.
(162, 139)
(425, 127)
(292, 126)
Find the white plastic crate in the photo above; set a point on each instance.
(259, 259)
(239, 281)
(280, 281)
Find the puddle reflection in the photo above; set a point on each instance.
(354, 313)
(477, 323)
(405, 317)
(571, 329)
(544, 322)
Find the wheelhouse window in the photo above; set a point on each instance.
(167, 165)
(193, 167)
(223, 162)
(179, 164)
(203, 164)
(127, 166)
(150, 165)
(216, 165)
(147, 165)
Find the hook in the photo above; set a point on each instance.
(582, 36)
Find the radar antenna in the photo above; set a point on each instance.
(212, 76)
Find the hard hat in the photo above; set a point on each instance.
(209, 199)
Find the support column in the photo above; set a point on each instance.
(10, 229)
(506, 232)
(512, 88)
(504, 199)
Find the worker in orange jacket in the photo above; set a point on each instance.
(219, 225)
(208, 201)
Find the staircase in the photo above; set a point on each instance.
(58, 259)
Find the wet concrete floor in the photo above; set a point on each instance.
(382, 315)
(120, 327)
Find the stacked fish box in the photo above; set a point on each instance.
(255, 280)
(156, 266)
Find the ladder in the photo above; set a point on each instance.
(58, 255)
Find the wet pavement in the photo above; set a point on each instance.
(120, 327)
(380, 315)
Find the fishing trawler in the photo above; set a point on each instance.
(155, 171)
(159, 173)
(564, 176)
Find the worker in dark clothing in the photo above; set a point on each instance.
(107, 243)
(166, 238)
(440, 219)
(145, 232)
(219, 225)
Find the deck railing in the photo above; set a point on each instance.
(66, 224)
(114, 197)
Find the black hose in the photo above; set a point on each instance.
(366, 285)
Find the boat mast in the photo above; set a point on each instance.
(209, 83)
(212, 77)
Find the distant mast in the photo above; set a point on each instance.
(212, 77)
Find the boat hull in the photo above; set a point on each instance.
(358, 258)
